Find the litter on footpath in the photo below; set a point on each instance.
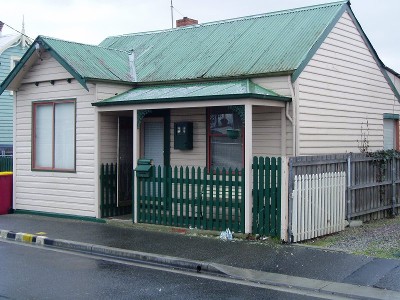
(226, 235)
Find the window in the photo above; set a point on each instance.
(54, 135)
(391, 132)
(224, 151)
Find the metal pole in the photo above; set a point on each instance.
(348, 187)
(172, 15)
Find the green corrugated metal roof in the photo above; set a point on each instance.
(91, 61)
(193, 91)
(269, 43)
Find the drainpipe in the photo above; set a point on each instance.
(292, 120)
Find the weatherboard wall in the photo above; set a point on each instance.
(55, 192)
(340, 90)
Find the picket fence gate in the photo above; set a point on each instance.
(318, 205)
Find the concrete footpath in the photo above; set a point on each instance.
(300, 267)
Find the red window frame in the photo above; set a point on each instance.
(210, 135)
(34, 109)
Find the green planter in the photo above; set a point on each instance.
(233, 133)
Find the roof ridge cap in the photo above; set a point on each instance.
(273, 13)
(83, 44)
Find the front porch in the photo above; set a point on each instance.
(208, 184)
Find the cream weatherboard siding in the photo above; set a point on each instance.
(108, 122)
(266, 134)
(55, 192)
(280, 85)
(45, 69)
(198, 155)
(340, 90)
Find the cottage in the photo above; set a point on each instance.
(12, 47)
(208, 97)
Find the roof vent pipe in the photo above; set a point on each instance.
(132, 69)
(1, 27)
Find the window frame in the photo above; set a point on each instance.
(209, 135)
(396, 130)
(53, 103)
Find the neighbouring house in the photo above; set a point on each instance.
(288, 83)
(391, 124)
(12, 47)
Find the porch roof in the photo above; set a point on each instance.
(193, 91)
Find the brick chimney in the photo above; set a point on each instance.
(186, 21)
(1, 26)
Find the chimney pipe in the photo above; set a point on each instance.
(186, 22)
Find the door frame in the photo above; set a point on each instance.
(159, 115)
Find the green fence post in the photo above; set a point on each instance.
(204, 207)
(230, 205)
(218, 198)
(242, 206)
(255, 195)
(190, 195)
(278, 197)
(198, 215)
(224, 186)
(273, 196)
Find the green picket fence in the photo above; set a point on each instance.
(108, 191)
(6, 163)
(193, 197)
(267, 196)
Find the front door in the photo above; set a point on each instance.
(125, 160)
(153, 140)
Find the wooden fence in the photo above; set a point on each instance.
(109, 206)
(192, 197)
(318, 205)
(6, 163)
(267, 196)
(373, 186)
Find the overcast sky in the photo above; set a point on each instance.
(90, 21)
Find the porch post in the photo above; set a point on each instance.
(248, 160)
(135, 158)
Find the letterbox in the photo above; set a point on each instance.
(144, 168)
(183, 135)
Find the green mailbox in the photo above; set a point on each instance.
(183, 135)
(144, 168)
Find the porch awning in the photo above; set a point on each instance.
(193, 92)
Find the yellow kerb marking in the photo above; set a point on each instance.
(41, 233)
(27, 238)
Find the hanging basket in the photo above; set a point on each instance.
(233, 133)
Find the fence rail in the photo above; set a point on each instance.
(192, 197)
(318, 205)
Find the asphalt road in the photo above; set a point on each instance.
(28, 272)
